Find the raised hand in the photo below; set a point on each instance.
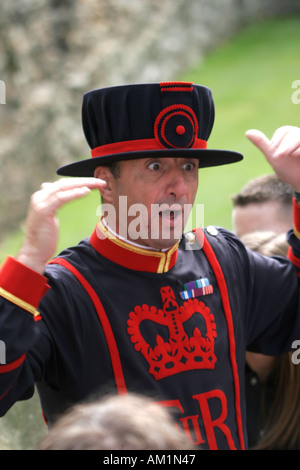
(282, 152)
(42, 223)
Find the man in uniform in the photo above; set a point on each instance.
(138, 307)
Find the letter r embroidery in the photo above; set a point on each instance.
(210, 424)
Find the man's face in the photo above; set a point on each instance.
(153, 198)
(269, 215)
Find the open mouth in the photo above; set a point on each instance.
(171, 216)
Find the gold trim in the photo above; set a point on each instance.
(169, 256)
(164, 257)
(296, 233)
(19, 302)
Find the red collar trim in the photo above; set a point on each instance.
(130, 256)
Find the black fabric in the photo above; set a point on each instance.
(128, 113)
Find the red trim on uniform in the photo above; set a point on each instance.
(136, 146)
(296, 215)
(12, 365)
(5, 393)
(228, 316)
(293, 258)
(176, 86)
(23, 282)
(111, 343)
(128, 256)
(171, 404)
(44, 418)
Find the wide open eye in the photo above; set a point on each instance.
(155, 166)
(189, 166)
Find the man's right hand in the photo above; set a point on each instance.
(42, 224)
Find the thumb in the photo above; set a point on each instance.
(259, 139)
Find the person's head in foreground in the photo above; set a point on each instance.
(117, 422)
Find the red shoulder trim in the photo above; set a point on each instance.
(111, 343)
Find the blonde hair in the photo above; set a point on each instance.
(266, 242)
(116, 422)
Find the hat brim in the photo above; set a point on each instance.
(206, 157)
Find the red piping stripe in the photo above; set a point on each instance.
(12, 365)
(111, 343)
(176, 86)
(137, 146)
(5, 393)
(228, 315)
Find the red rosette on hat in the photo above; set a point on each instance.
(176, 127)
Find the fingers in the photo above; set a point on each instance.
(71, 183)
(259, 139)
(51, 196)
(285, 142)
(42, 224)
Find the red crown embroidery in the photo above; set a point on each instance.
(180, 352)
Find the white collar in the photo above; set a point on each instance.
(130, 242)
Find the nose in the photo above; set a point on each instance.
(177, 185)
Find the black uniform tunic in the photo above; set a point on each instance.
(173, 325)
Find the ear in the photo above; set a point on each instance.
(104, 173)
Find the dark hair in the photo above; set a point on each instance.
(114, 168)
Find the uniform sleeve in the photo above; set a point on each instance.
(273, 316)
(21, 290)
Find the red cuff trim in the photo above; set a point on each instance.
(12, 365)
(296, 218)
(23, 282)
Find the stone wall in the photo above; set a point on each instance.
(52, 51)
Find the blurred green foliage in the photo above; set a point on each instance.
(251, 78)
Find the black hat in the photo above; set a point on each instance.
(168, 119)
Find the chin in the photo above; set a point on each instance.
(162, 244)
